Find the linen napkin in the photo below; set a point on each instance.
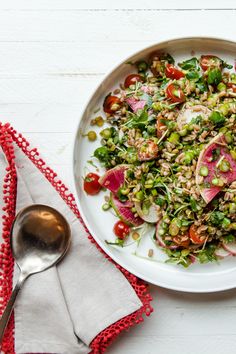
(64, 308)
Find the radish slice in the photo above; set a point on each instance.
(153, 214)
(205, 159)
(114, 178)
(222, 253)
(159, 239)
(230, 247)
(124, 212)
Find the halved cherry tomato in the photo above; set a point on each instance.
(121, 230)
(195, 236)
(147, 149)
(159, 127)
(174, 93)
(111, 104)
(210, 61)
(91, 184)
(182, 241)
(131, 79)
(232, 86)
(172, 72)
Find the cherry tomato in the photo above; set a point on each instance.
(210, 61)
(131, 79)
(91, 184)
(121, 230)
(111, 104)
(172, 72)
(147, 150)
(182, 241)
(159, 127)
(174, 93)
(195, 236)
(232, 86)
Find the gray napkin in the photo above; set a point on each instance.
(62, 309)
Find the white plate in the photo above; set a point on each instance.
(198, 277)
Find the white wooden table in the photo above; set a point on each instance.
(52, 55)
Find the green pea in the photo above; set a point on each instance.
(154, 192)
(221, 86)
(233, 154)
(188, 157)
(224, 165)
(92, 136)
(106, 133)
(204, 171)
(124, 191)
(139, 195)
(228, 137)
(223, 130)
(215, 181)
(224, 109)
(106, 206)
(174, 227)
(157, 106)
(183, 132)
(174, 138)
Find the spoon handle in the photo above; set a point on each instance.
(8, 310)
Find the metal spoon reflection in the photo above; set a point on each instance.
(40, 237)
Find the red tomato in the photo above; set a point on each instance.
(159, 127)
(131, 79)
(232, 86)
(91, 184)
(174, 93)
(111, 104)
(182, 241)
(210, 61)
(173, 73)
(194, 236)
(121, 229)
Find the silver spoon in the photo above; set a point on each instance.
(40, 237)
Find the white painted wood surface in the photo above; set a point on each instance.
(52, 55)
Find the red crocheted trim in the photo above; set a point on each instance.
(6, 260)
(103, 339)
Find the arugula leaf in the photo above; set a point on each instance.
(189, 64)
(214, 76)
(193, 75)
(217, 217)
(201, 85)
(138, 120)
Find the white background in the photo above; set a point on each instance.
(52, 55)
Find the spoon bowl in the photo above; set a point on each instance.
(40, 237)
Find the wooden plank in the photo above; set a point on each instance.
(71, 26)
(109, 5)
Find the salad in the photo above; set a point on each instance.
(169, 149)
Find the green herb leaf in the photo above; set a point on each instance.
(214, 76)
(189, 64)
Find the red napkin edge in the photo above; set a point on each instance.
(100, 343)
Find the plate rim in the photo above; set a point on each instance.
(75, 135)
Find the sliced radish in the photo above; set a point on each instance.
(159, 238)
(153, 214)
(124, 212)
(205, 159)
(114, 178)
(222, 253)
(230, 247)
